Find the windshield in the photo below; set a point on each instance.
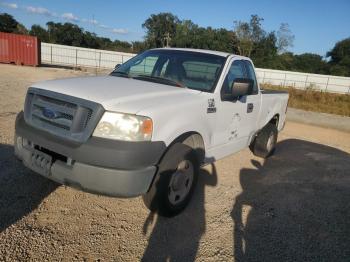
(174, 67)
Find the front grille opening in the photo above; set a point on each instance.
(67, 116)
(55, 156)
(48, 122)
(61, 115)
(56, 101)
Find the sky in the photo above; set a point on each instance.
(317, 25)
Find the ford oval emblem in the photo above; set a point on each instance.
(49, 113)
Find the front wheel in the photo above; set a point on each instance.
(174, 182)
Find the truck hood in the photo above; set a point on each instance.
(117, 93)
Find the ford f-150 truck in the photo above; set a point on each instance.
(146, 128)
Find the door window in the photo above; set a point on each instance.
(236, 70)
(252, 76)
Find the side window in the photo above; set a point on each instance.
(251, 75)
(236, 71)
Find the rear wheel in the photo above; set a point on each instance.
(174, 182)
(265, 142)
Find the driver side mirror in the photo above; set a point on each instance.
(241, 87)
(117, 65)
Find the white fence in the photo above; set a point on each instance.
(327, 83)
(78, 56)
(85, 57)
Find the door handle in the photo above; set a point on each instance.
(250, 107)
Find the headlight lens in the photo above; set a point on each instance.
(124, 127)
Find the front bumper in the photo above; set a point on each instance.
(113, 168)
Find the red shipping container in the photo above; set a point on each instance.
(19, 49)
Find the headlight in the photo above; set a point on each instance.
(124, 127)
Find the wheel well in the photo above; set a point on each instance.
(195, 141)
(275, 120)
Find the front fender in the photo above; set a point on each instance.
(177, 131)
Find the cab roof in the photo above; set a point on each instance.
(218, 53)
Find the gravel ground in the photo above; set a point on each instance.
(341, 123)
(293, 207)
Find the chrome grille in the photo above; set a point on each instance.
(65, 116)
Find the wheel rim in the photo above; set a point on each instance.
(270, 142)
(180, 182)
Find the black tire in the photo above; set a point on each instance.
(157, 199)
(261, 146)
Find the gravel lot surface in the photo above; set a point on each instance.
(341, 123)
(293, 207)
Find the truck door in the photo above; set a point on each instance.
(230, 114)
(253, 103)
(237, 120)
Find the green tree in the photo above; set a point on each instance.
(285, 38)
(264, 52)
(244, 38)
(65, 34)
(51, 30)
(257, 32)
(7, 23)
(340, 58)
(90, 40)
(249, 34)
(184, 36)
(159, 27)
(309, 63)
(138, 46)
(40, 32)
(105, 43)
(284, 61)
(225, 40)
(122, 46)
(10, 25)
(21, 29)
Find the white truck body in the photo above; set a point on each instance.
(225, 127)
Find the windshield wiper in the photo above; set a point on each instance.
(160, 80)
(120, 73)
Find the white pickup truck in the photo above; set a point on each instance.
(146, 128)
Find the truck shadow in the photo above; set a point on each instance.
(177, 238)
(295, 206)
(21, 191)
